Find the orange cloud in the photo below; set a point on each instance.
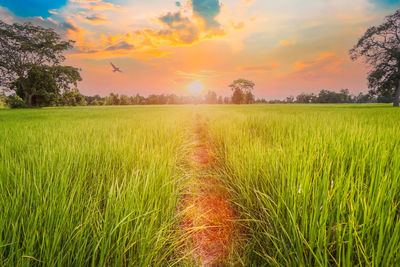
(325, 66)
(238, 26)
(259, 68)
(198, 76)
(300, 65)
(248, 2)
(177, 30)
(73, 31)
(98, 5)
(286, 43)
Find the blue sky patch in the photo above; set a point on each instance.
(32, 8)
(386, 2)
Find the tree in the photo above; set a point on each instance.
(73, 98)
(364, 98)
(242, 91)
(40, 87)
(95, 103)
(227, 100)
(345, 96)
(152, 100)
(27, 50)
(237, 97)
(14, 101)
(305, 98)
(124, 100)
(211, 97)
(380, 48)
(44, 84)
(2, 100)
(290, 99)
(112, 99)
(95, 100)
(249, 98)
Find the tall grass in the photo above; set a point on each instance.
(315, 185)
(89, 186)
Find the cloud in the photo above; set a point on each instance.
(207, 10)
(286, 43)
(6, 16)
(198, 76)
(120, 46)
(74, 32)
(324, 66)
(70, 26)
(96, 19)
(98, 5)
(248, 2)
(259, 68)
(238, 26)
(178, 28)
(178, 4)
(181, 28)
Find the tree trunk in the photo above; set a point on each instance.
(29, 99)
(397, 96)
(28, 96)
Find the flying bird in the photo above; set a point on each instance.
(115, 68)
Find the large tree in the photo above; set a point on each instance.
(242, 91)
(28, 51)
(380, 47)
(44, 85)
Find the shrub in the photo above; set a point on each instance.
(14, 101)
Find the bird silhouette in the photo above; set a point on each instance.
(115, 68)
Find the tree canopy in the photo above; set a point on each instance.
(380, 48)
(30, 62)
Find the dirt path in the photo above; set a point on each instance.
(208, 218)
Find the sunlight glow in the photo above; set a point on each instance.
(196, 87)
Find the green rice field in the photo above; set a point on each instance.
(313, 185)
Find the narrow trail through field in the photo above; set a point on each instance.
(208, 218)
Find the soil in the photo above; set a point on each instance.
(208, 218)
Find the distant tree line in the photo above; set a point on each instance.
(327, 96)
(153, 99)
(324, 96)
(75, 98)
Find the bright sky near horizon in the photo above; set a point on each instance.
(162, 46)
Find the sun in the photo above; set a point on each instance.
(196, 87)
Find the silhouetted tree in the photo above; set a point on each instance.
(242, 91)
(211, 97)
(290, 99)
(364, 98)
(305, 98)
(249, 98)
(380, 47)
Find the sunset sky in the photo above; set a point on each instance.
(162, 46)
